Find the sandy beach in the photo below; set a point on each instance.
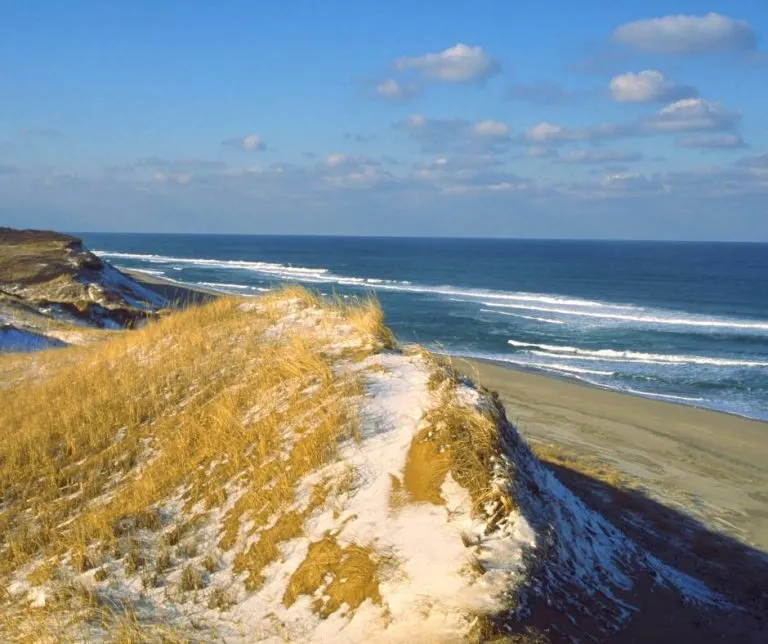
(709, 464)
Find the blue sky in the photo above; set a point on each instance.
(636, 120)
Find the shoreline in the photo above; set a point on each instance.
(187, 292)
(172, 290)
(654, 398)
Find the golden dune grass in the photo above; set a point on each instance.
(454, 438)
(348, 575)
(218, 400)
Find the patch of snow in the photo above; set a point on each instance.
(16, 340)
(37, 597)
(69, 337)
(135, 294)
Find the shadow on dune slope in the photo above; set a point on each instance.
(735, 570)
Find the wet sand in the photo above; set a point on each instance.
(176, 294)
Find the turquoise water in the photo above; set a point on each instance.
(684, 322)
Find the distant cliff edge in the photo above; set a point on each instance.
(53, 291)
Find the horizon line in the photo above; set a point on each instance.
(424, 237)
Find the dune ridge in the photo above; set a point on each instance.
(276, 468)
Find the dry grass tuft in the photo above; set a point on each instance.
(426, 465)
(210, 564)
(221, 599)
(264, 551)
(191, 579)
(134, 561)
(455, 438)
(470, 440)
(458, 439)
(347, 575)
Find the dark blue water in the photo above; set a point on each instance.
(684, 322)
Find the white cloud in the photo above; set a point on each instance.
(306, 197)
(365, 176)
(179, 166)
(415, 121)
(549, 133)
(392, 90)
(691, 115)
(538, 151)
(688, 115)
(458, 64)
(498, 186)
(165, 177)
(545, 132)
(454, 168)
(490, 130)
(686, 34)
(468, 174)
(252, 142)
(335, 159)
(342, 171)
(626, 184)
(249, 143)
(599, 156)
(623, 179)
(712, 141)
(647, 86)
(439, 135)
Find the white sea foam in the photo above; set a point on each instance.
(531, 297)
(666, 396)
(323, 275)
(478, 296)
(714, 323)
(578, 374)
(556, 366)
(550, 366)
(612, 355)
(552, 304)
(224, 285)
(141, 270)
(525, 317)
(280, 270)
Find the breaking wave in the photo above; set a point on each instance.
(538, 302)
(612, 355)
(524, 317)
(695, 321)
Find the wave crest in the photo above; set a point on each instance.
(613, 355)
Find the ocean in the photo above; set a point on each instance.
(676, 321)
